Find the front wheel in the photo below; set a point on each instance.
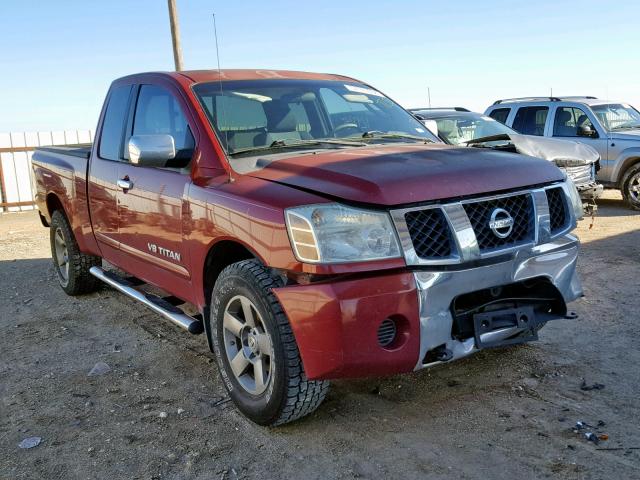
(631, 187)
(255, 349)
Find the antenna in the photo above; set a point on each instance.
(224, 115)
(429, 96)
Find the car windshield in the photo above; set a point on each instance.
(617, 116)
(459, 128)
(266, 116)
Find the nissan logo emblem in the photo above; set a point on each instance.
(501, 223)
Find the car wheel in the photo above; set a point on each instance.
(631, 187)
(71, 265)
(255, 349)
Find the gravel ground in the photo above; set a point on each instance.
(161, 411)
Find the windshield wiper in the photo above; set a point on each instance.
(489, 138)
(373, 134)
(280, 144)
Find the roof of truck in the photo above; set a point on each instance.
(246, 74)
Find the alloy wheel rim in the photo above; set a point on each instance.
(248, 345)
(62, 256)
(634, 187)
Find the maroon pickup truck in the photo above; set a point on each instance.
(310, 226)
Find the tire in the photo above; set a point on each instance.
(285, 394)
(71, 265)
(631, 187)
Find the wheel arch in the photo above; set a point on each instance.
(221, 254)
(625, 165)
(54, 203)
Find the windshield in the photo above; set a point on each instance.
(268, 115)
(617, 116)
(459, 128)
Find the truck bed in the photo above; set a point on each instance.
(82, 150)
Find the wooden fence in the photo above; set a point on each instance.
(16, 178)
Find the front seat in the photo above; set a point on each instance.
(562, 129)
(281, 122)
(448, 130)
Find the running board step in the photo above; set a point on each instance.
(155, 303)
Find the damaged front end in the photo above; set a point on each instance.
(579, 161)
(464, 311)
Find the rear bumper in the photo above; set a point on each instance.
(336, 323)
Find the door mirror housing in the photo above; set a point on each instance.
(587, 131)
(151, 150)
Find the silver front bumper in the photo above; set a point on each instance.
(555, 260)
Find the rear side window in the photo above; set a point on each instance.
(531, 120)
(158, 112)
(500, 114)
(113, 124)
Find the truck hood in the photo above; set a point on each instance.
(564, 153)
(399, 174)
(626, 135)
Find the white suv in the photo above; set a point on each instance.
(612, 128)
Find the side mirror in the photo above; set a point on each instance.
(587, 131)
(151, 150)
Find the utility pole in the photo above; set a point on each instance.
(175, 34)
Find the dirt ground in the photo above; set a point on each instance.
(162, 412)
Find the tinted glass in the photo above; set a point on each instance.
(114, 121)
(252, 114)
(531, 120)
(500, 114)
(158, 112)
(567, 121)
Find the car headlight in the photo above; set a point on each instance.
(574, 199)
(333, 233)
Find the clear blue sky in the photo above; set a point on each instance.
(57, 58)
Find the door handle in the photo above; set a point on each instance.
(125, 184)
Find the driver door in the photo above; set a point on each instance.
(153, 211)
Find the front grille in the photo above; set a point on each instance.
(520, 208)
(557, 209)
(580, 174)
(429, 233)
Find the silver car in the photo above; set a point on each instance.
(459, 126)
(612, 128)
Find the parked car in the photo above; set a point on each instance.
(459, 126)
(315, 226)
(612, 128)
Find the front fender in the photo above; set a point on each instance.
(626, 158)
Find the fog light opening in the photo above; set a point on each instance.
(387, 333)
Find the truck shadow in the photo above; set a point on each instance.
(613, 207)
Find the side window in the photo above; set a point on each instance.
(531, 120)
(567, 121)
(500, 114)
(113, 124)
(158, 112)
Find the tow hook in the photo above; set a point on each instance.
(443, 354)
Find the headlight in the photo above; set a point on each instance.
(332, 233)
(574, 199)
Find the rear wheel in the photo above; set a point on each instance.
(255, 348)
(71, 265)
(631, 187)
